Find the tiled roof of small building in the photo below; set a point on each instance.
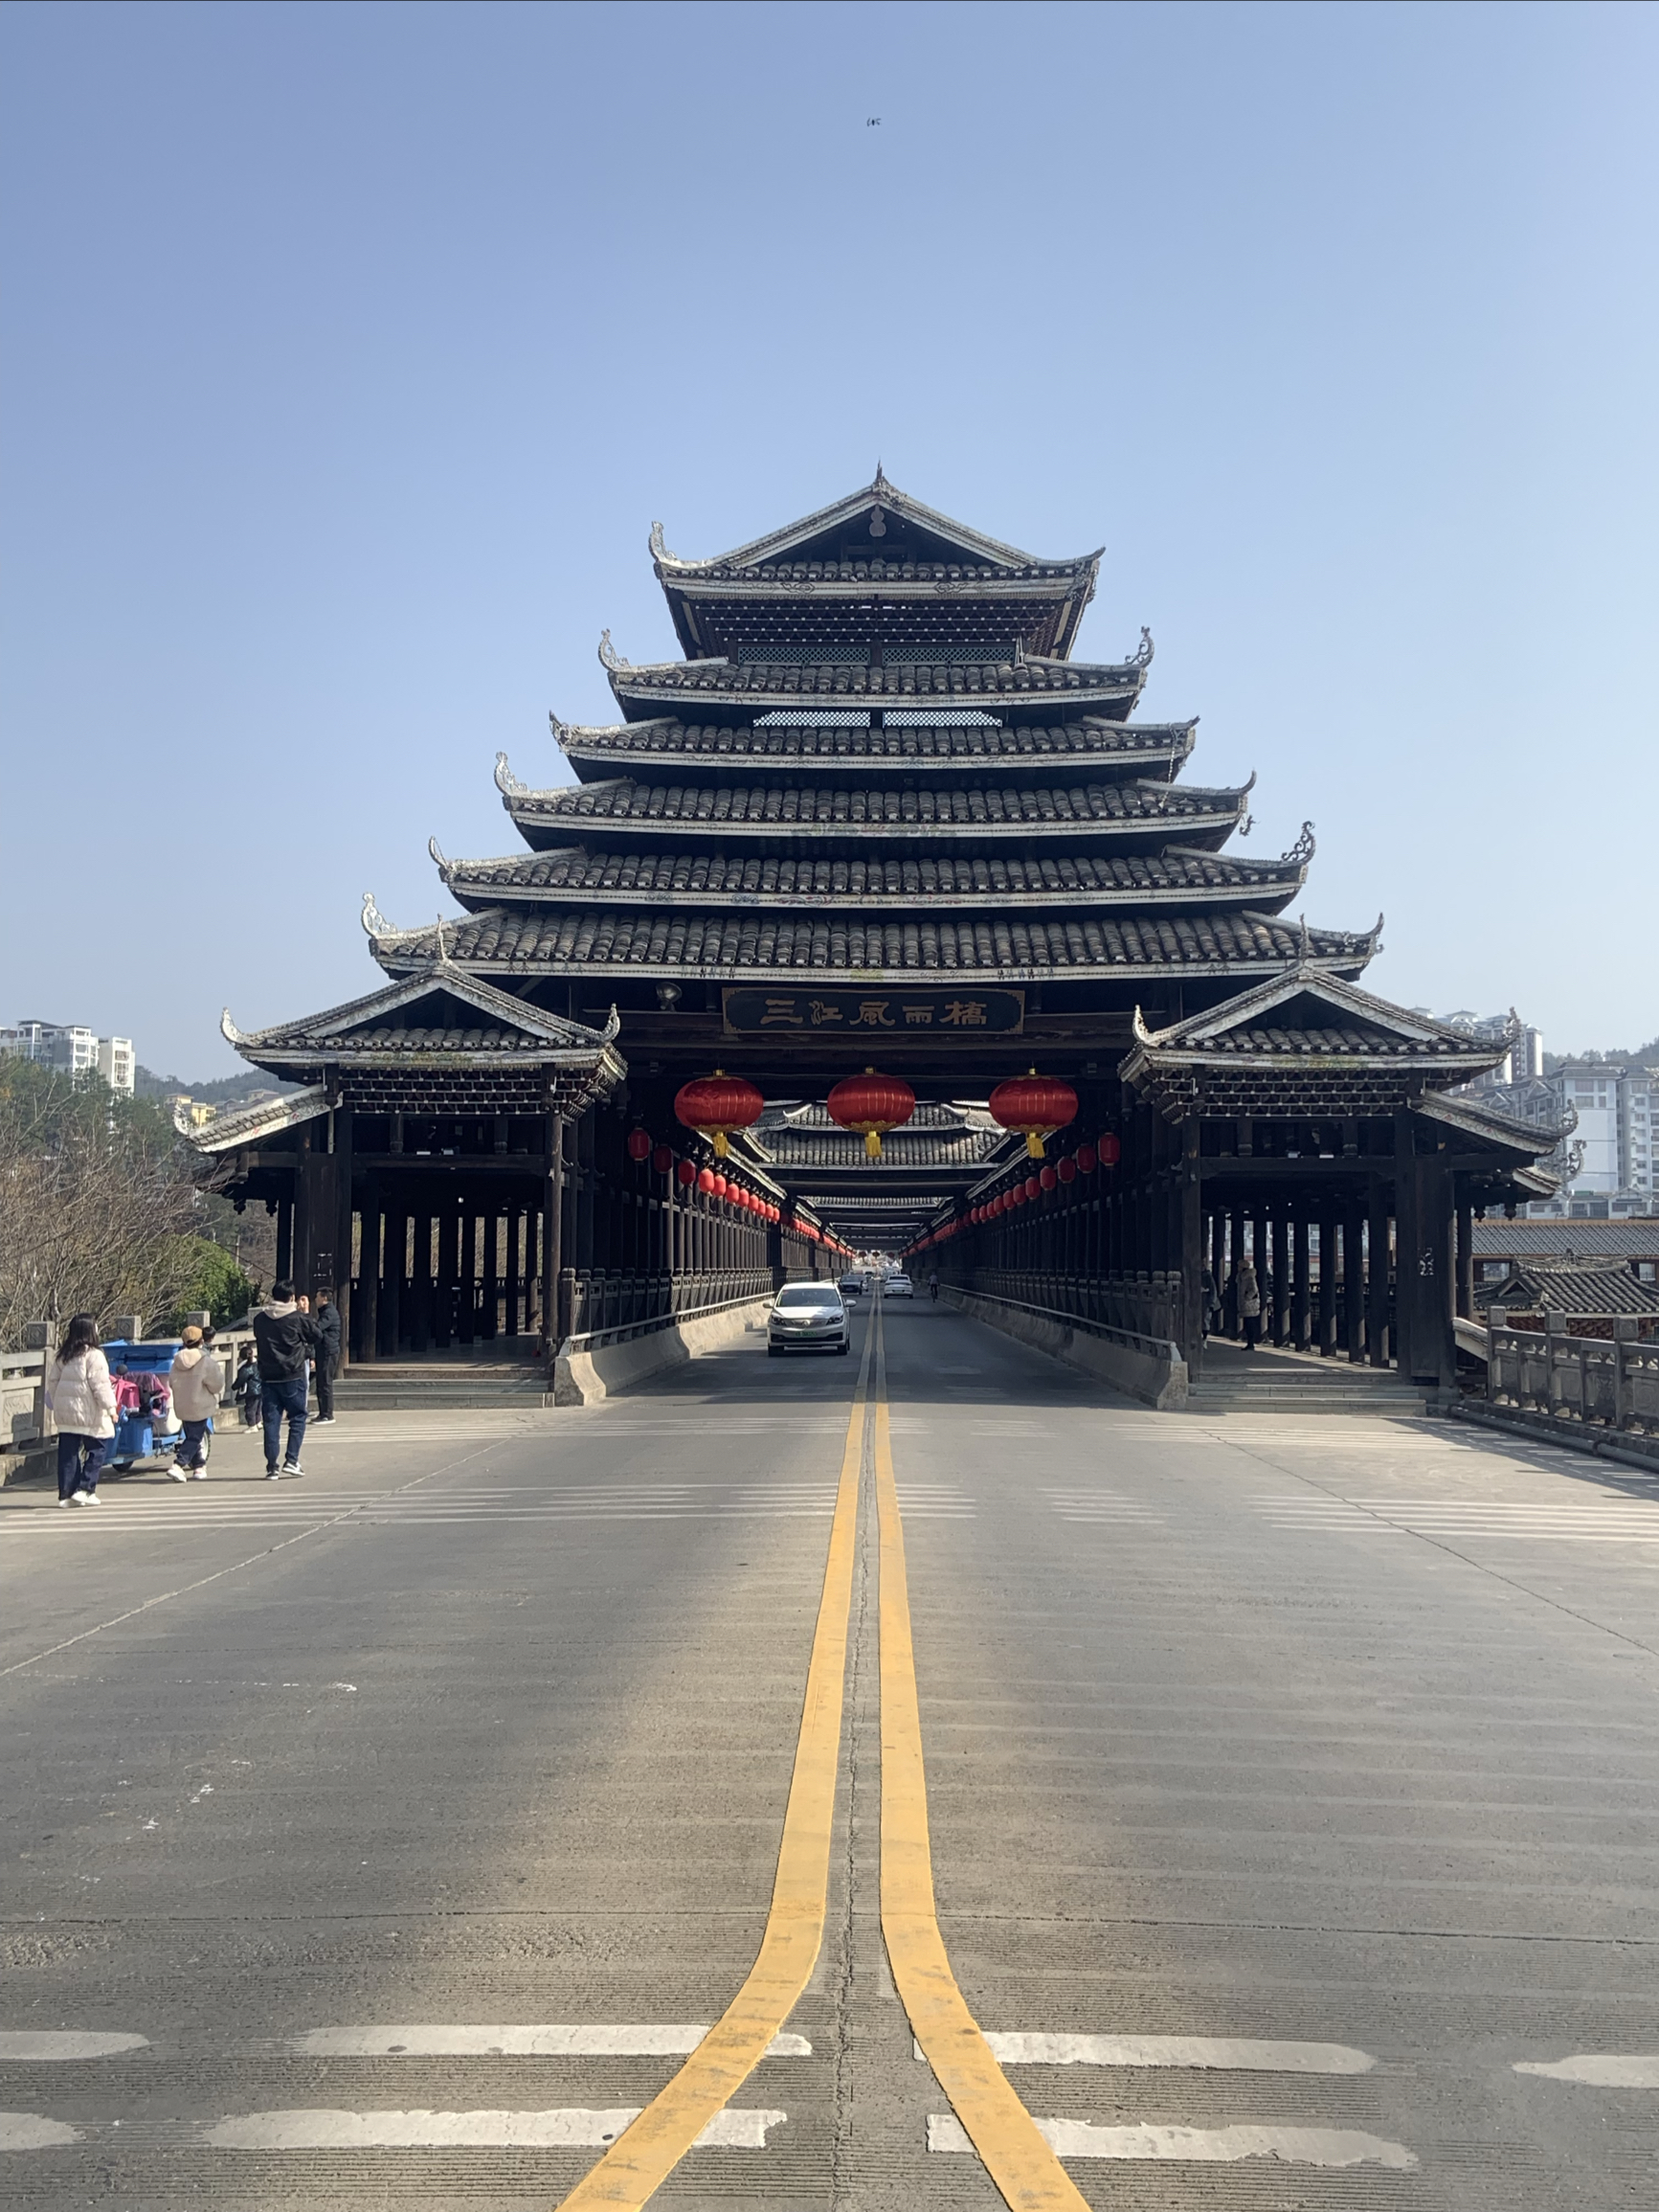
(1636, 1238)
(924, 743)
(692, 872)
(832, 806)
(1566, 1287)
(1322, 1040)
(835, 943)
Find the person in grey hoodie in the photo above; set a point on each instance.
(198, 1384)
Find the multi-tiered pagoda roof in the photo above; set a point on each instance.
(880, 762)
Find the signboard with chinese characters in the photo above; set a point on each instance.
(894, 1010)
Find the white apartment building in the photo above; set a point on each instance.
(73, 1051)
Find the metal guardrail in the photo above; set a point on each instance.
(1599, 1382)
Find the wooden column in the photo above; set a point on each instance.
(552, 1233)
(510, 1317)
(1300, 1275)
(1377, 1274)
(343, 1228)
(492, 1272)
(284, 1238)
(467, 1271)
(1433, 1344)
(1326, 1332)
(447, 1268)
(394, 1240)
(367, 1302)
(1465, 1252)
(1352, 1281)
(1192, 1249)
(1405, 1230)
(420, 1283)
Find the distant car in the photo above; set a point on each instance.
(806, 1316)
(850, 1285)
(898, 1286)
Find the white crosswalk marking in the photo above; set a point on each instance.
(1568, 1521)
(1102, 1505)
(559, 2128)
(57, 2043)
(1271, 2139)
(1598, 2071)
(1229, 2052)
(427, 2041)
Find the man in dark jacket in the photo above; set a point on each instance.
(327, 1320)
(284, 1339)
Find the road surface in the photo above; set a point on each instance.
(392, 1837)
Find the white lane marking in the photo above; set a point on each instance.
(1598, 2071)
(65, 2044)
(1225, 2051)
(29, 2131)
(564, 2126)
(1294, 2146)
(427, 2040)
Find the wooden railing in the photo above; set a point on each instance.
(609, 1309)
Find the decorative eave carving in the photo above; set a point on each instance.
(1302, 851)
(505, 782)
(445, 869)
(374, 922)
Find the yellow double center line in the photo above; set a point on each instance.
(1020, 2161)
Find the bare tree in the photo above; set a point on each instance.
(97, 1211)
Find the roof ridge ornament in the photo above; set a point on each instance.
(613, 1028)
(443, 947)
(560, 730)
(227, 1028)
(609, 657)
(436, 851)
(505, 782)
(374, 922)
(660, 551)
(1141, 658)
(1302, 851)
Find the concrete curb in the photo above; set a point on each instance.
(584, 1378)
(1628, 1453)
(1161, 1383)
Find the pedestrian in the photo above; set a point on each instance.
(285, 1339)
(198, 1384)
(1250, 1304)
(327, 1356)
(80, 1398)
(246, 1388)
(1211, 1304)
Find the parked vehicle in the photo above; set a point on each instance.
(807, 1317)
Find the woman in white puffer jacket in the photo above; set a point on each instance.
(82, 1398)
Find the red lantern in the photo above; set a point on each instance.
(870, 1104)
(662, 1160)
(686, 1174)
(1036, 1105)
(1108, 1150)
(718, 1183)
(1066, 1169)
(1046, 1178)
(1087, 1158)
(1032, 1187)
(638, 1143)
(706, 1180)
(713, 1104)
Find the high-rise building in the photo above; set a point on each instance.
(73, 1050)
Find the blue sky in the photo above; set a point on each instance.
(351, 351)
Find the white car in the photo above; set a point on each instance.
(806, 1316)
(898, 1286)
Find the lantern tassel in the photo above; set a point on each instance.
(873, 1143)
(1033, 1144)
(721, 1147)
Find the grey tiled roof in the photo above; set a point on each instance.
(1322, 1040)
(900, 682)
(926, 744)
(833, 806)
(691, 871)
(390, 1038)
(1634, 1239)
(1561, 1286)
(837, 943)
(877, 572)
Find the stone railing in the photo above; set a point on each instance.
(601, 1309)
(1140, 1305)
(1601, 1383)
